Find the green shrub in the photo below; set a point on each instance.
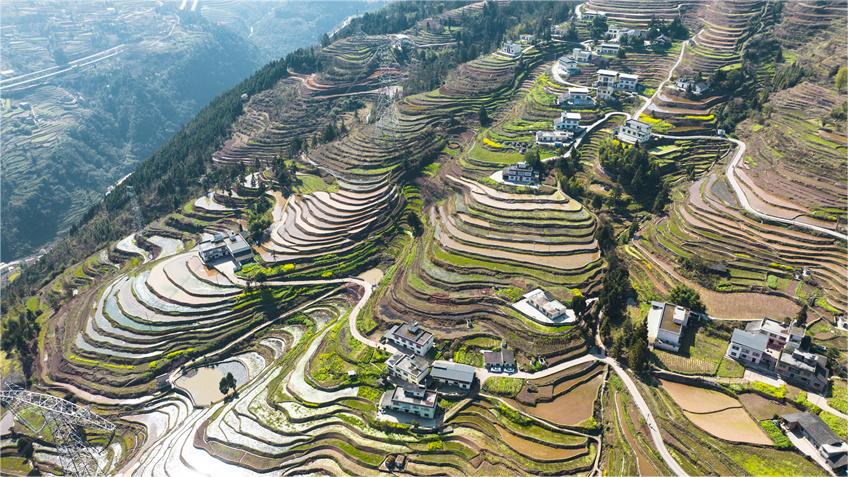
(776, 434)
(839, 425)
(803, 402)
(503, 386)
(839, 401)
(777, 392)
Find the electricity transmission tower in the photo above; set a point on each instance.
(65, 421)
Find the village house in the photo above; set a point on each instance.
(410, 368)
(631, 33)
(511, 49)
(415, 400)
(689, 85)
(552, 309)
(500, 361)
(811, 427)
(627, 81)
(452, 374)
(410, 336)
(608, 49)
(773, 346)
(568, 65)
(605, 92)
(747, 347)
(581, 55)
(567, 122)
(666, 322)
(527, 38)
(803, 368)
(613, 31)
(778, 333)
(232, 246)
(633, 132)
(607, 78)
(521, 174)
(553, 138)
(577, 97)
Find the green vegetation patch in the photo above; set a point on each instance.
(503, 386)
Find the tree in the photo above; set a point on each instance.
(801, 317)
(532, 158)
(25, 448)
(599, 27)
(483, 115)
(687, 298)
(638, 356)
(20, 336)
(578, 304)
(227, 383)
(841, 79)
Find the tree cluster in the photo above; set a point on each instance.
(20, 337)
(635, 171)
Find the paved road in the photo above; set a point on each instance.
(666, 80)
(648, 415)
(821, 402)
(730, 174)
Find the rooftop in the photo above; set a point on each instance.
(410, 332)
(818, 431)
(635, 123)
(751, 340)
(414, 365)
(607, 73)
(578, 90)
(571, 116)
(452, 371)
(665, 316)
(499, 357)
(409, 395)
(628, 76)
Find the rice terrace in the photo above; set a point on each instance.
(465, 238)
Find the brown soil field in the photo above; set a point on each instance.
(698, 400)
(537, 451)
(747, 306)
(762, 408)
(569, 409)
(731, 425)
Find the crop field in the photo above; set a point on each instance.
(689, 444)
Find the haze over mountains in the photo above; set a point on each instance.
(89, 89)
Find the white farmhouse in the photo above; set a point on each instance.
(415, 400)
(578, 97)
(607, 78)
(521, 174)
(568, 66)
(567, 122)
(511, 49)
(581, 55)
(665, 325)
(633, 132)
(608, 49)
(553, 138)
(410, 336)
(627, 81)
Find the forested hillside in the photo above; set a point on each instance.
(69, 137)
